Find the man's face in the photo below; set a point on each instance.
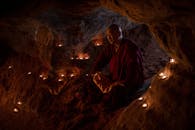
(113, 36)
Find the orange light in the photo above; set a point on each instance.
(16, 110)
(43, 76)
(62, 75)
(140, 98)
(144, 105)
(60, 79)
(83, 56)
(172, 60)
(163, 75)
(72, 75)
(9, 67)
(19, 103)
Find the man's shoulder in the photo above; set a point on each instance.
(129, 44)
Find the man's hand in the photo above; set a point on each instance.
(117, 83)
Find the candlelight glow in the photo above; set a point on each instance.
(72, 58)
(60, 79)
(163, 75)
(9, 67)
(72, 75)
(83, 56)
(140, 98)
(172, 60)
(62, 75)
(16, 110)
(98, 42)
(59, 44)
(19, 103)
(144, 105)
(29, 73)
(98, 39)
(43, 76)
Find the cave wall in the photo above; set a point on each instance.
(171, 22)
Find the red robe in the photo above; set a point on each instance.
(125, 65)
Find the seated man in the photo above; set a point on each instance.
(125, 68)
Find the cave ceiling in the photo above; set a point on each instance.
(168, 20)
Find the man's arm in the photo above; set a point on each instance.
(102, 59)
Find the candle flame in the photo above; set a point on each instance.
(140, 98)
(144, 105)
(60, 79)
(98, 42)
(163, 75)
(43, 76)
(72, 75)
(29, 73)
(9, 67)
(83, 56)
(19, 103)
(16, 110)
(62, 75)
(172, 60)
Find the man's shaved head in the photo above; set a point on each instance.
(114, 33)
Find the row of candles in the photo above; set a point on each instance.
(83, 56)
(162, 75)
(166, 73)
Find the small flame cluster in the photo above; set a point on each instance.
(166, 74)
(145, 103)
(98, 42)
(83, 56)
(163, 75)
(16, 109)
(43, 76)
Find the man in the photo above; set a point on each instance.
(125, 68)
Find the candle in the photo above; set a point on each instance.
(15, 110)
(144, 105)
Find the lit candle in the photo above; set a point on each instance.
(86, 74)
(72, 75)
(41, 76)
(60, 45)
(81, 58)
(44, 78)
(29, 73)
(144, 105)
(62, 75)
(140, 98)
(16, 110)
(60, 79)
(9, 67)
(172, 60)
(19, 103)
(163, 75)
(86, 57)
